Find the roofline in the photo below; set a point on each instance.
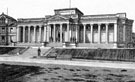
(69, 9)
(29, 18)
(100, 15)
(8, 16)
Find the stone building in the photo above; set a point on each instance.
(7, 29)
(70, 27)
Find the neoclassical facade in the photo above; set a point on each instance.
(71, 26)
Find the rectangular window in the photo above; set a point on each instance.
(3, 29)
(3, 38)
(11, 29)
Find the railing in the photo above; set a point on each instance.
(22, 51)
(48, 51)
(18, 50)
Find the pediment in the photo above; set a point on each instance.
(57, 17)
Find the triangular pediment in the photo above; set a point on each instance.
(57, 17)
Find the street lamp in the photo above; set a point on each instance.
(6, 22)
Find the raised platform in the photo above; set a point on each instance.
(111, 54)
(90, 45)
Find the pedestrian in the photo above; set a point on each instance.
(39, 51)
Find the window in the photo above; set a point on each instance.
(3, 38)
(11, 29)
(3, 29)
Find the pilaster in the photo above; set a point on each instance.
(124, 33)
(115, 32)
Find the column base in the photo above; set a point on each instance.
(115, 45)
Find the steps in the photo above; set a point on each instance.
(29, 44)
(32, 51)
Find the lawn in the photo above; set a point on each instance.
(65, 73)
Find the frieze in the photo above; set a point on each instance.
(99, 21)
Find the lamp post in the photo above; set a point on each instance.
(6, 22)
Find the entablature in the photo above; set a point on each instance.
(114, 20)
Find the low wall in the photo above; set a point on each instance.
(12, 50)
(119, 54)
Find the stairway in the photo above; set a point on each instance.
(32, 51)
(51, 53)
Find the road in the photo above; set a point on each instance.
(88, 63)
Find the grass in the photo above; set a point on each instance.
(65, 73)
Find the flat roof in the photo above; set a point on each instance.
(69, 9)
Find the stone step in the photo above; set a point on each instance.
(33, 52)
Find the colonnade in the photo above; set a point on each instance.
(110, 29)
(30, 34)
(67, 33)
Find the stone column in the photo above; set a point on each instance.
(76, 32)
(44, 33)
(17, 34)
(24, 34)
(50, 29)
(39, 34)
(68, 31)
(107, 38)
(99, 33)
(34, 34)
(115, 32)
(54, 30)
(84, 33)
(91, 32)
(29, 38)
(48, 32)
(60, 32)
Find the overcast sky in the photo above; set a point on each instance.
(40, 8)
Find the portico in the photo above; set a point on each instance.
(89, 33)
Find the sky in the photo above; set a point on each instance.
(40, 8)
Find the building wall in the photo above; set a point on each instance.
(128, 33)
(118, 32)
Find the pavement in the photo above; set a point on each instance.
(88, 63)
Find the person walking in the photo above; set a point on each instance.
(39, 51)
